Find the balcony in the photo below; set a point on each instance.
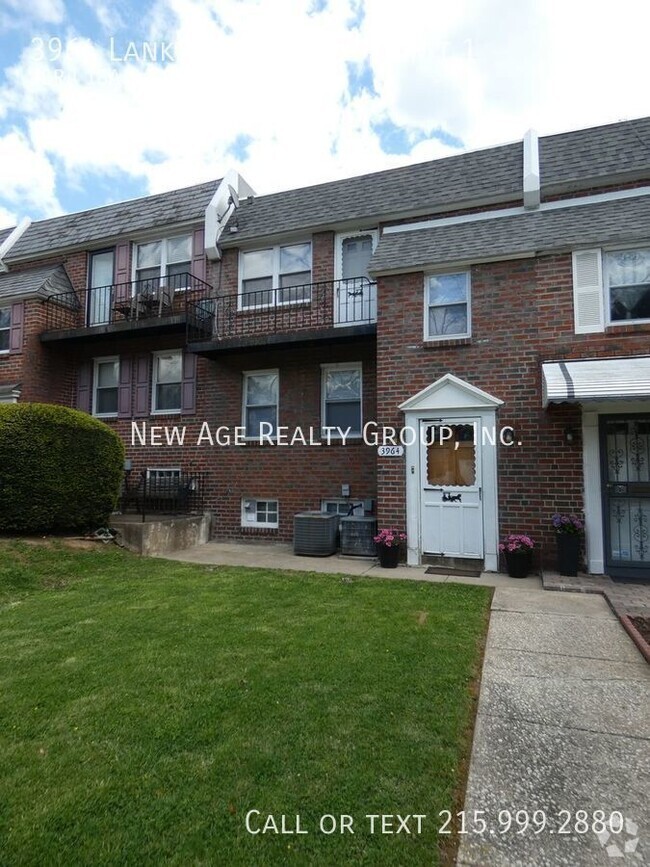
(153, 305)
(327, 311)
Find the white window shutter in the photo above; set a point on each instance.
(588, 314)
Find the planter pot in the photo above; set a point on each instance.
(519, 562)
(568, 553)
(388, 557)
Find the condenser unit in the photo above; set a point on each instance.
(314, 534)
(357, 536)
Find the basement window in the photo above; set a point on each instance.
(259, 513)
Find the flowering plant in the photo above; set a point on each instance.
(568, 524)
(516, 542)
(390, 538)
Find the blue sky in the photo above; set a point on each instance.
(102, 101)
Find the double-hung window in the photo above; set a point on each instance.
(627, 275)
(341, 399)
(447, 306)
(167, 381)
(260, 410)
(278, 275)
(167, 261)
(106, 378)
(5, 325)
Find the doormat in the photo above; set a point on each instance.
(448, 570)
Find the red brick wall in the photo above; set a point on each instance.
(522, 315)
(298, 476)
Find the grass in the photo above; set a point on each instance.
(146, 706)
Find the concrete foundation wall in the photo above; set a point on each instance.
(164, 535)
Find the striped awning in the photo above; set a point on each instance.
(596, 379)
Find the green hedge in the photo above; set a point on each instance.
(60, 469)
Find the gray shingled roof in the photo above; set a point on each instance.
(615, 149)
(37, 281)
(495, 173)
(611, 222)
(88, 228)
(4, 233)
(568, 161)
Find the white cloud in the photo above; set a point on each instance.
(36, 11)
(27, 178)
(481, 70)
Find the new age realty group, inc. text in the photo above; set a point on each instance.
(372, 434)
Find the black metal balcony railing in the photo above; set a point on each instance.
(159, 297)
(145, 494)
(313, 306)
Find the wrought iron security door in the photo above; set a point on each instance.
(625, 454)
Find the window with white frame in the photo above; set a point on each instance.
(259, 513)
(166, 381)
(167, 261)
(5, 326)
(278, 275)
(341, 399)
(627, 276)
(260, 403)
(342, 507)
(447, 304)
(106, 380)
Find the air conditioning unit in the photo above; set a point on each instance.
(314, 534)
(357, 536)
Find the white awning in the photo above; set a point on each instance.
(596, 379)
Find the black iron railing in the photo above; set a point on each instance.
(153, 492)
(154, 297)
(284, 310)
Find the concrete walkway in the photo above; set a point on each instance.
(267, 555)
(563, 724)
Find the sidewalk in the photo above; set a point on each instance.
(277, 555)
(563, 724)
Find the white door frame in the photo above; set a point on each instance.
(450, 398)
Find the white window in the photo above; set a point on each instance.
(106, 380)
(259, 513)
(163, 475)
(341, 398)
(278, 275)
(166, 261)
(5, 325)
(260, 403)
(342, 507)
(447, 306)
(167, 380)
(627, 276)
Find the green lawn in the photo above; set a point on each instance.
(146, 706)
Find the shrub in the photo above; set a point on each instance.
(60, 469)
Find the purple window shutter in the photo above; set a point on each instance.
(17, 327)
(188, 388)
(142, 384)
(122, 275)
(84, 386)
(124, 392)
(198, 254)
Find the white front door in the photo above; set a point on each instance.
(355, 295)
(451, 496)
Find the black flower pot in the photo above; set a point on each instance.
(568, 553)
(519, 562)
(388, 557)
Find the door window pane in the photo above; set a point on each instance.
(451, 462)
(356, 253)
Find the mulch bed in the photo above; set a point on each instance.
(642, 625)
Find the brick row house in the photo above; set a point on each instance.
(487, 314)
